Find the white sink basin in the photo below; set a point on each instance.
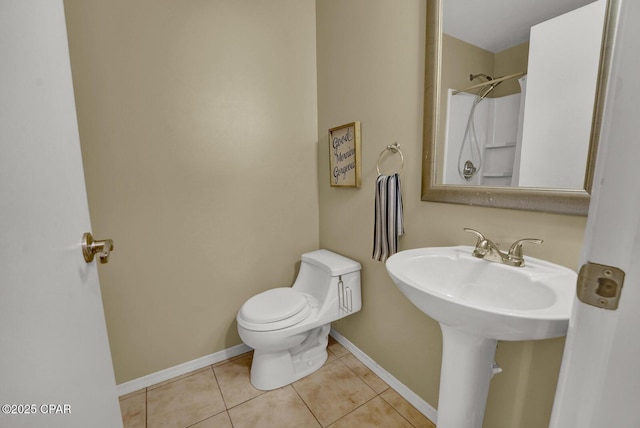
(484, 298)
(477, 303)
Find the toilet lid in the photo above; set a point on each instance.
(274, 305)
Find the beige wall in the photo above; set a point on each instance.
(460, 59)
(198, 123)
(510, 61)
(370, 68)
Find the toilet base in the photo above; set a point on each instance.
(274, 369)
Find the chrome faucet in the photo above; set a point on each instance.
(487, 250)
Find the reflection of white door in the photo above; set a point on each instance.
(55, 364)
(564, 53)
(599, 382)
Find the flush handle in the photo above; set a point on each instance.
(600, 285)
(91, 247)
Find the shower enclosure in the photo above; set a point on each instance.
(482, 137)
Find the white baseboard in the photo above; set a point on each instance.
(166, 374)
(180, 369)
(413, 398)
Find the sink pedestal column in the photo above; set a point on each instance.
(467, 368)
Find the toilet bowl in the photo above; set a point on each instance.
(288, 327)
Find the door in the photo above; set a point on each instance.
(55, 363)
(599, 382)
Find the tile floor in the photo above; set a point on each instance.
(344, 393)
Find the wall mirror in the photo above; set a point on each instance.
(513, 99)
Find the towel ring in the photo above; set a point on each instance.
(395, 147)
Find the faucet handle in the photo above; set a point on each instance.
(480, 235)
(515, 251)
(482, 244)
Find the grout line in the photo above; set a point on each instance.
(377, 394)
(349, 349)
(398, 411)
(181, 369)
(226, 407)
(348, 413)
(305, 403)
(416, 401)
(261, 392)
(215, 376)
(176, 379)
(362, 377)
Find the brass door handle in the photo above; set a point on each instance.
(91, 247)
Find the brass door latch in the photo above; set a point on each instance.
(600, 285)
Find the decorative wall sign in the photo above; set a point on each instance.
(344, 155)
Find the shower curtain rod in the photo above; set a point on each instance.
(489, 82)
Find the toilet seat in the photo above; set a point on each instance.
(274, 309)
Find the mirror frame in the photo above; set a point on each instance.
(563, 201)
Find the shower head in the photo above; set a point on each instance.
(475, 76)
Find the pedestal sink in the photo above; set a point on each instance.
(477, 303)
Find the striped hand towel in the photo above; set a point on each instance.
(389, 223)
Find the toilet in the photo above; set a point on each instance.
(288, 327)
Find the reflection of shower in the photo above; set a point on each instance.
(472, 166)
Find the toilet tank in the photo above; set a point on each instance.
(332, 263)
(332, 279)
